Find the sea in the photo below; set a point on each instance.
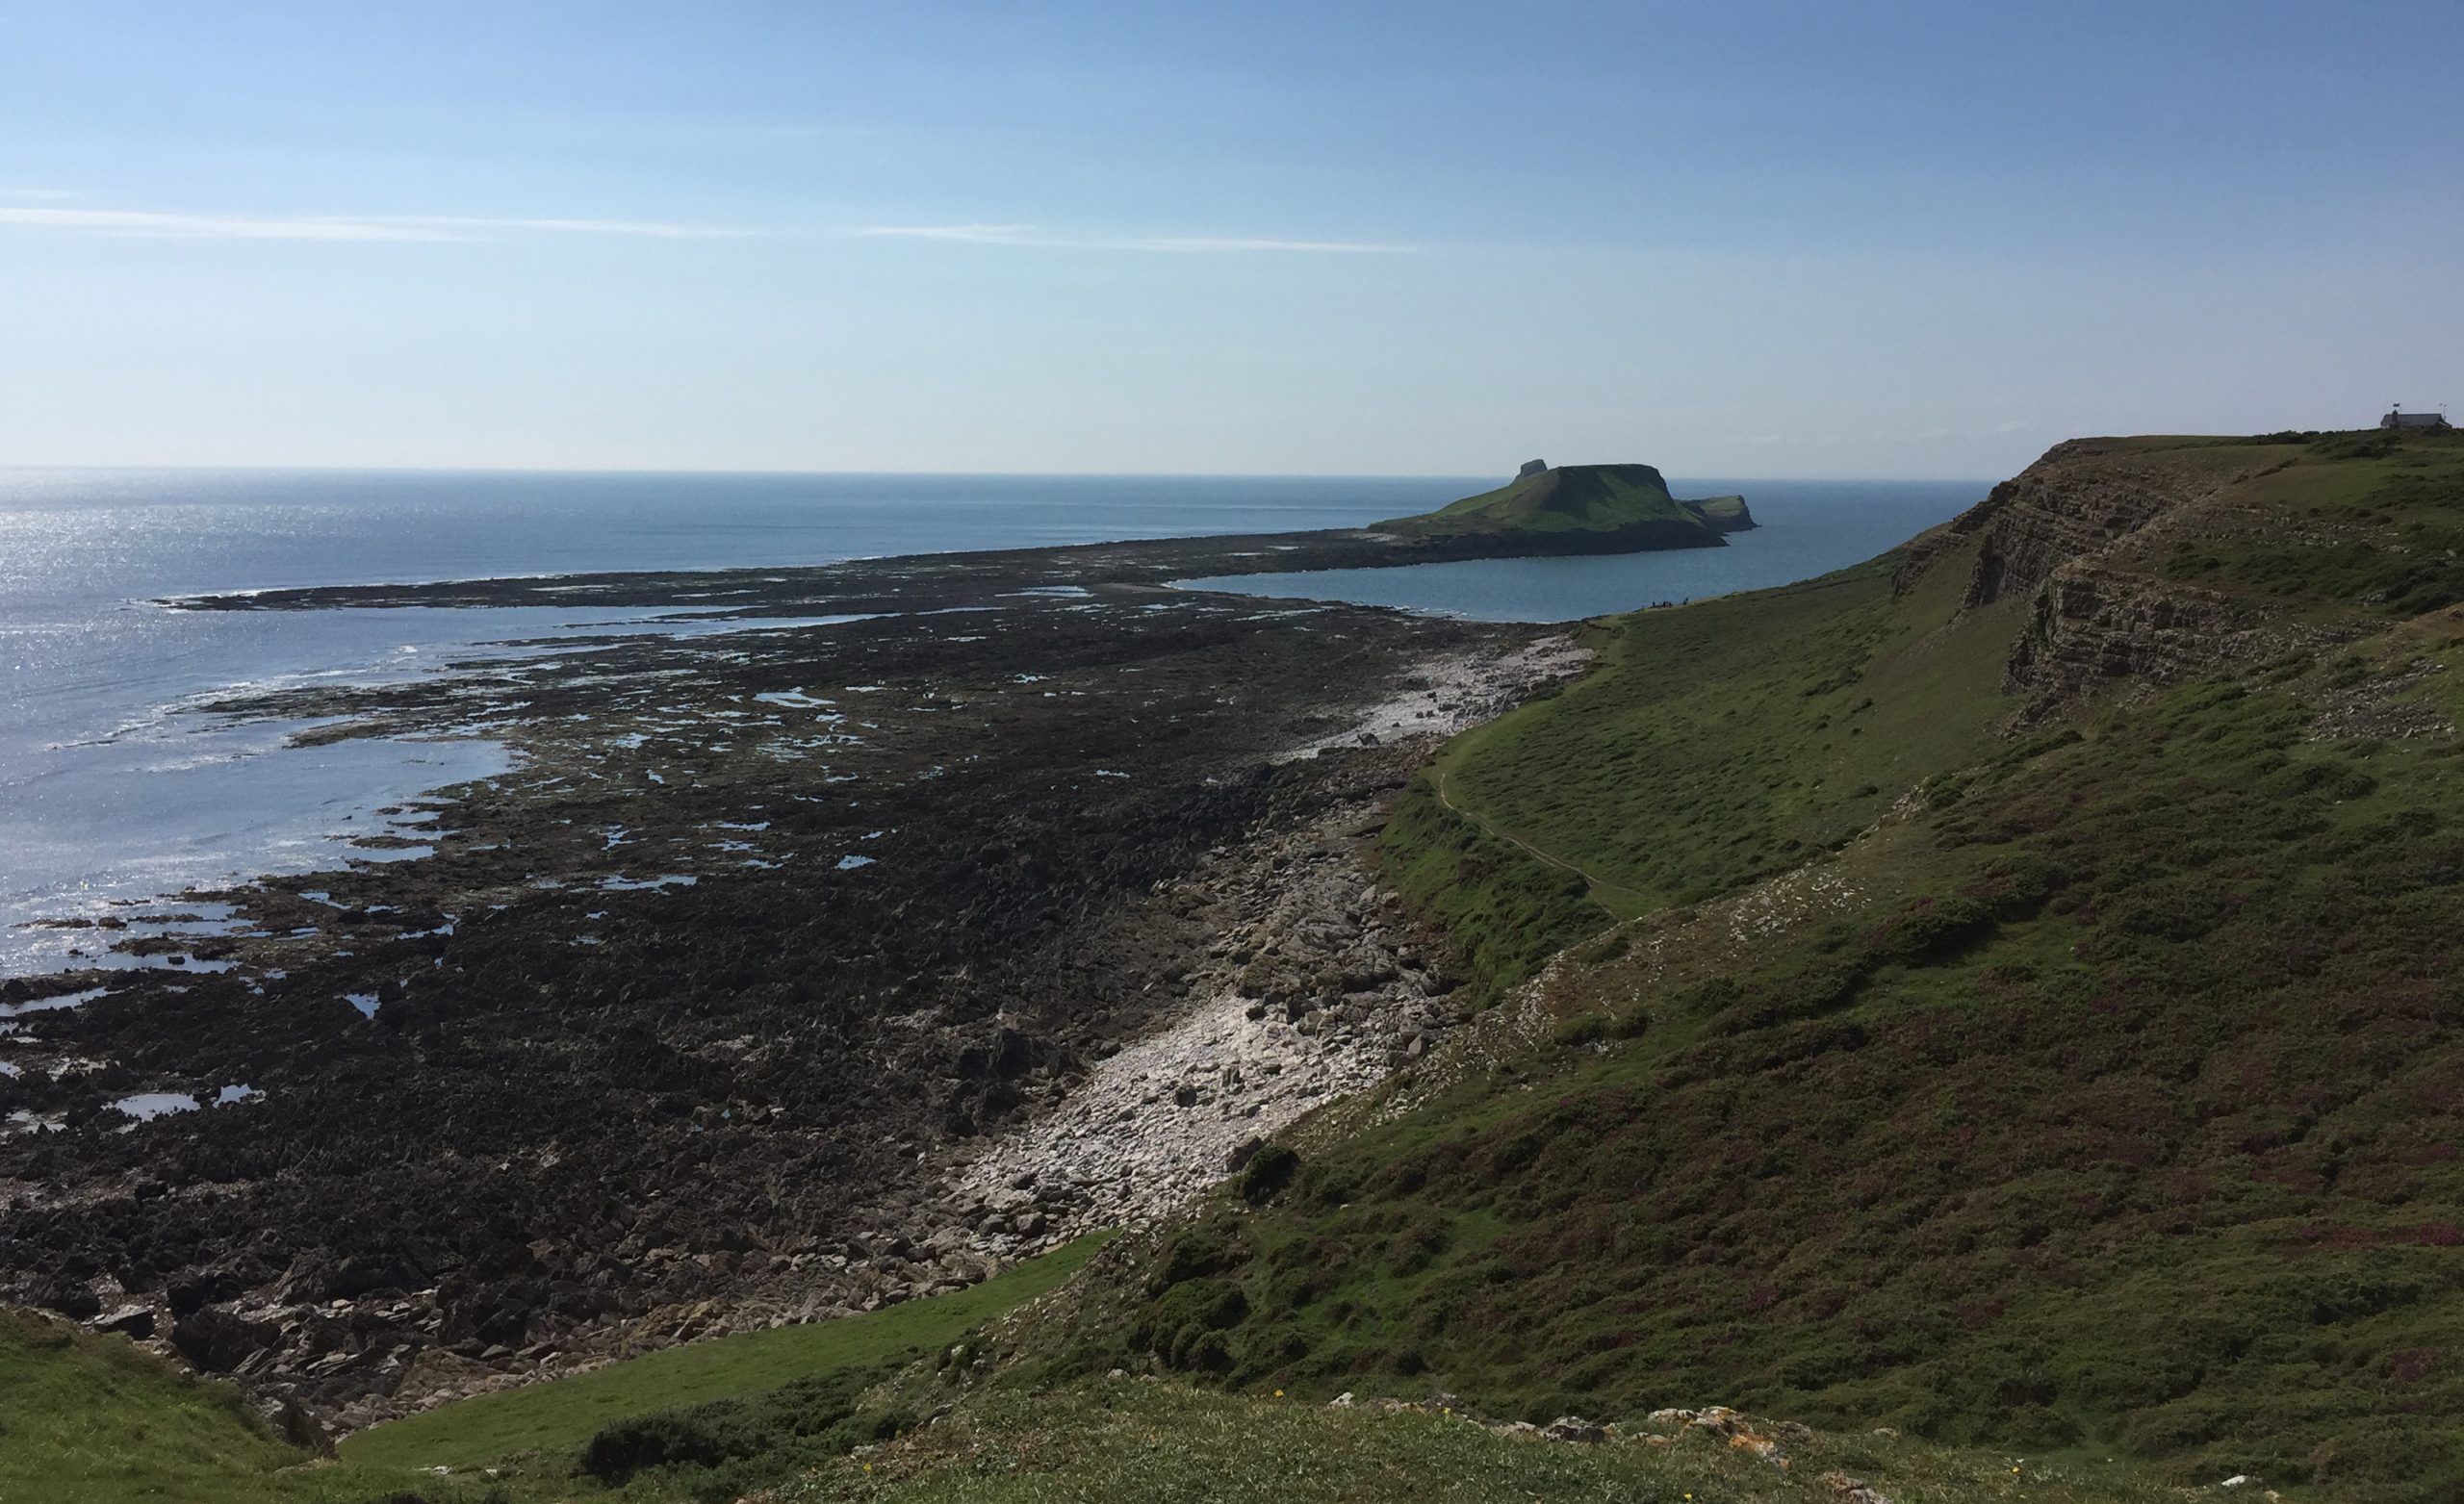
(119, 786)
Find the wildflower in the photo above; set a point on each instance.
(1279, 1393)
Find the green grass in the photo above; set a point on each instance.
(2114, 1108)
(1718, 510)
(2100, 1098)
(2358, 521)
(1711, 745)
(1125, 1440)
(87, 1420)
(544, 1418)
(95, 1418)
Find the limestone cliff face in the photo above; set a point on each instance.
(2080, 534)
(2059, 510)
(2090, 623)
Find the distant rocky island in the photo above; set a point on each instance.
(1580, 509)
(1547, 510)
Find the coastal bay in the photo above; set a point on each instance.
(828, 936)
(691, 1019)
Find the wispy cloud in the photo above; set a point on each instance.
(1028, 236)
(210, 226)
(639, 229)
(183, 225)
(36, 210)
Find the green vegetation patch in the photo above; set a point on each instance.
(1710, 746)
(87, 1420)
(1504, 908)
(1126, 1440)
(566, 1414)
(88, 1417)
(2365, 520)
(2114, 1109)
(1720, 510)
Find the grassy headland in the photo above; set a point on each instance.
(1627, 505)
(2015, 1004)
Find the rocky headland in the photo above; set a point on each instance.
(1587, 509)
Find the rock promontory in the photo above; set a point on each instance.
(1579, 509)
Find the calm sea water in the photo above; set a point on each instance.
(114, 787)
(1808, 527)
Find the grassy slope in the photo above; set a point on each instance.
(550, 1418)
(95, 1418)
(2103, 1096)
(1711, 745)
(1127, 1440)
(86, 1419)
(1569, 498)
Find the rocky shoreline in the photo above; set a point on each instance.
(1317, 984)
(796, 969)
(905, 583)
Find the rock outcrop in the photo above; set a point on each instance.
(2091, 623)
(2078, 534)
(2066, 506)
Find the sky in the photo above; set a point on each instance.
(1744, 239)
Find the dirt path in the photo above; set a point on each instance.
(1509, 837)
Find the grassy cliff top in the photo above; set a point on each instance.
(1567, 498)
(2004, 992)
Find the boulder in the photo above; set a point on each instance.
(1574, 1429)
(74, 1299)
(218, 1341)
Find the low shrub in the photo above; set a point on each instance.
(627, 1447)
(1269, 1173)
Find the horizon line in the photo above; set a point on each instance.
(281, 468)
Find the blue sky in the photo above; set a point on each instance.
(1737, 238)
